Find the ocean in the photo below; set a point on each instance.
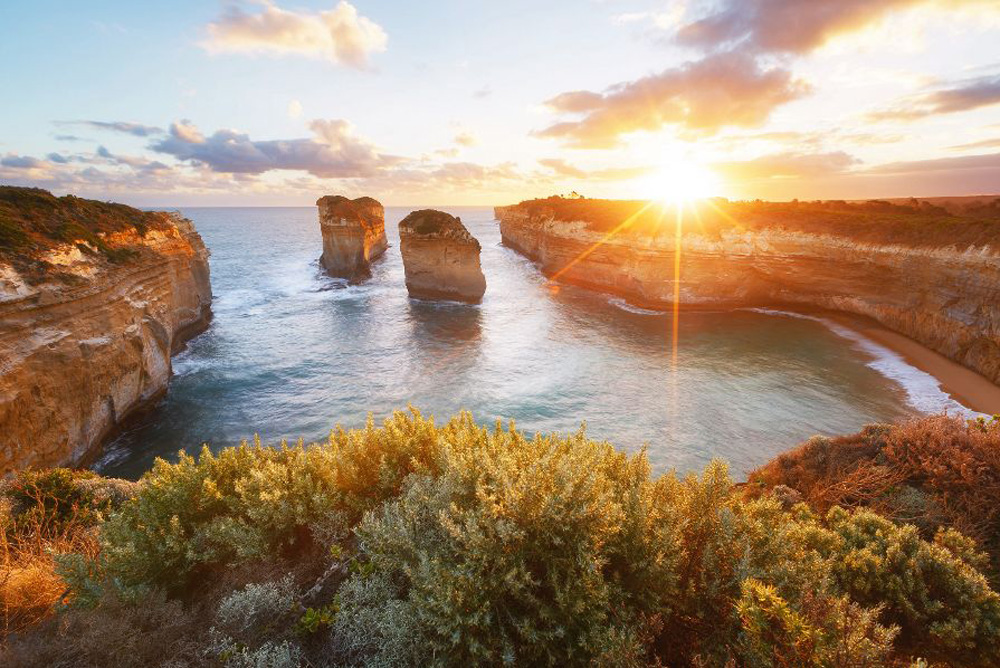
(292, 352)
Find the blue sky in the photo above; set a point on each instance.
(466, 102)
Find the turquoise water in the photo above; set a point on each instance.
(292, 352)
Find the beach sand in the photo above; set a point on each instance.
(963, 385)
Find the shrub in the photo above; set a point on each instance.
(251, 625)
(931, 590)
(934, 472)
(519, 552)
(827, 632)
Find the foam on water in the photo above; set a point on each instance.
(923, 391)
(618, 302)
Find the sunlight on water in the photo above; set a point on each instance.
(292, 352)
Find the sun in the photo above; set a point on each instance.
(678, 182)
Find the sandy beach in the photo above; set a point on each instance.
(964, 385)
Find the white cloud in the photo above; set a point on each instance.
(294, 109)
(340, 35)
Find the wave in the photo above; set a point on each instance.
(923, 391)
(632, 308)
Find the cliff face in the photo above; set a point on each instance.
(353, 234)
(942, 297)
(85, 341)
(440, 258)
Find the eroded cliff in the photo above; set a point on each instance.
(94, 300)
(353, 234)
(440, 258)
(944, 295)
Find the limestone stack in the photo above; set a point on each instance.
(89, 318)
(440, 258)
(353, 235)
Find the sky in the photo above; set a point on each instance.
(460, 102)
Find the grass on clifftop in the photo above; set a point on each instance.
(33, 220)
(916, 223)
(413, 544)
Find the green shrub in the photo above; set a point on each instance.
(519, 552)
(251, 501)
(933, 591)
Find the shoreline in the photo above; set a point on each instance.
(962, 384)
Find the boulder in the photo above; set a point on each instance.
(353, 235)
(440, 258)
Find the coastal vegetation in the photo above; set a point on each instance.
(33, 221)
(414, 543)
(910, 223)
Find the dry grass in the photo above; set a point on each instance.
(931, 472)
(42, 515)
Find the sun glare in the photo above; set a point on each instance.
(678, 183)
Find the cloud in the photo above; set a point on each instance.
(990, 161)
(699, 97)
(334, 151)
(339, 35)
(466, 139)
(294, 109)
(563, 168)
(134, 129)
(68, 138)
(15, 161)
(482, 93)
(961, 96)
(787, 166)
(986, 143)
(791, 26)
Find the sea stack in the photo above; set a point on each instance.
(440, 258)
(353, 235)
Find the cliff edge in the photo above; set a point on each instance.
(916, 269)
(440, 258)
(94, 300)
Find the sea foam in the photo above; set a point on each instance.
(923, 391)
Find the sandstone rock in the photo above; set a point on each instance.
(353, 234)
(88, 341)
(440, 258)
(946, 298)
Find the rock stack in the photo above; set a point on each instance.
(440, 258)
(353, 235)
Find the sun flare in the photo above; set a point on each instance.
(678, 182)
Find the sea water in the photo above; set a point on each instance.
(292, 352)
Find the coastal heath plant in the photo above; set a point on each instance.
(518, 553)
(253, 501)
(931, 590)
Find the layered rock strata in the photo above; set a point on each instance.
(945, 297)
(353, 235)
(86, 340)
(440, 258)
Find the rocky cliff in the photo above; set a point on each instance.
(353, 234)
(440, 258)
(939, 290)
(94, 300)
